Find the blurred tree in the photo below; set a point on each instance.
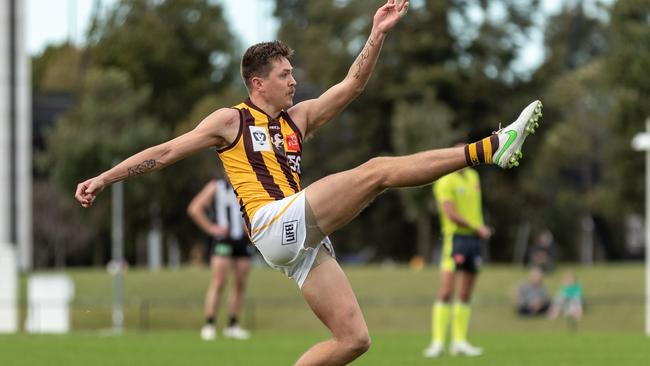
(57, 69)
(414, 125)
(565, 178)
(180, 49)
(596, 100)
(568, 170)
(628, 69)
(168, 55)
(56, 241)
(108, 122)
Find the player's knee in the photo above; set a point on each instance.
(359, 343)
(375, 172)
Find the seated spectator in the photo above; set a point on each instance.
(568, 301)
(533, 298)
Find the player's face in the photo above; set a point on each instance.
(280, 86)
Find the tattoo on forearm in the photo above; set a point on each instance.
(363, 56)
(143, 167)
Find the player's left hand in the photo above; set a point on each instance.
(388, 15)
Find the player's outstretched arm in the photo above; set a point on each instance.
(214, 130)
(314, 113)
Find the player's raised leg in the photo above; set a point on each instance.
(328, 293)
(338, 198)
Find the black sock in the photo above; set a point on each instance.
(209, 320)
(232, 321)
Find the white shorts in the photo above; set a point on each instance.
(288, 242)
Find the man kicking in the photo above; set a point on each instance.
(260, 143)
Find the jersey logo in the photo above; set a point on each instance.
(292, 142)
(278, 142)
(294, 162)
(260, 139)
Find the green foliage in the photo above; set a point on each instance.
(628, 67)
(180, 49)
(108, 123)
(567, 172)
(153, 61)
(416, 127)
(57, 69)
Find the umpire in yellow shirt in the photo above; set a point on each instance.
(458, 196)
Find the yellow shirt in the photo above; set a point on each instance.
(263, 163)
(463, 189)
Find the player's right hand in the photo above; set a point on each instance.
(388, 15)
(88, 191)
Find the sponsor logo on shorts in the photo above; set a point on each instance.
(289, 234)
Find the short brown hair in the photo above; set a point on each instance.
(257, 59)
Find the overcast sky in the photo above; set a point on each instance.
(53, 21)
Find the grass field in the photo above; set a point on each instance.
(270, 348)
(163, 315)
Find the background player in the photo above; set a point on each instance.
(458, 196)
(229, 250)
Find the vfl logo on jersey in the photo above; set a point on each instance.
(289, 232)
(260, 139)
(292, 142)
(278, 142)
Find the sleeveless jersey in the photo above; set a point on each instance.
(263, 162)
(226, 210)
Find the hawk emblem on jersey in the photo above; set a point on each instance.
(278, 142)
(292, 142)
(260, 139)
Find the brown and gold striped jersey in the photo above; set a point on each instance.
(263, 162)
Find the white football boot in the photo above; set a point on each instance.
(465, 349)
(208, 332)
(434, 350)
(512, 136)
(236, 332)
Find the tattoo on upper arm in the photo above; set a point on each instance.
(363, 56)
(143, 167)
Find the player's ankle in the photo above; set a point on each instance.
(481, 152)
